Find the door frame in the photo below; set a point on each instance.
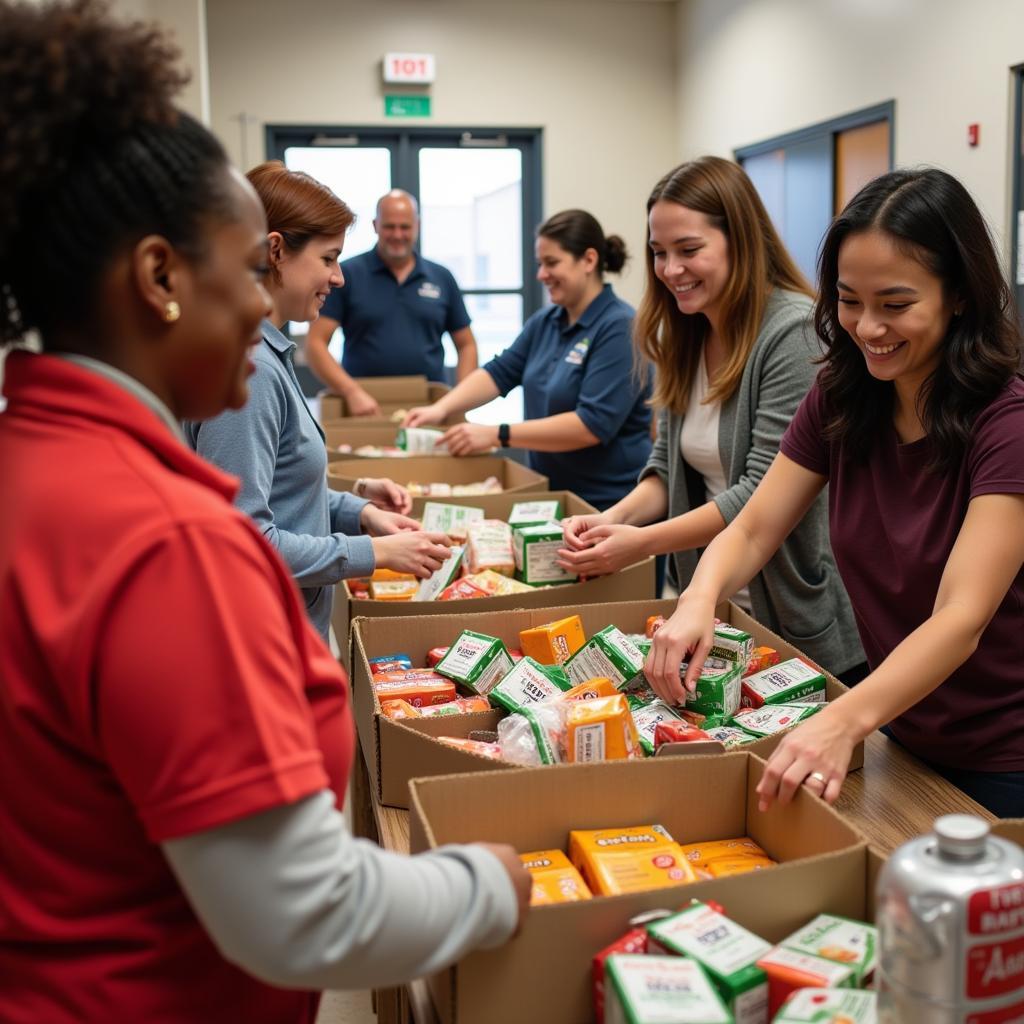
(405, 141)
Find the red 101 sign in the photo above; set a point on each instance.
(417, 68)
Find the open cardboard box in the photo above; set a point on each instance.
(359, 430)
(543, 975)
(342, 474)
(397, 751)
(392, 394)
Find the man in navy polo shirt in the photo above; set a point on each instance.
(393, 307)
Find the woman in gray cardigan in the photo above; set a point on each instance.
(725, 320)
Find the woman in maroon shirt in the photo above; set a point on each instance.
(916, 423)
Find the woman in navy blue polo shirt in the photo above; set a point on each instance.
(587, 424)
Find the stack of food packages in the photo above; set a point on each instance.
(489, 557)
(696, 964)
(573, 699)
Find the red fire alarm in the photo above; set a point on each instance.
(973, 134)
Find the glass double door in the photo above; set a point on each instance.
(479, 198)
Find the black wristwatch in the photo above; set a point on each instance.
(503, 432)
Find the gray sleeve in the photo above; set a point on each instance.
(786, 373)
(345, 511)
(657, 461)
(291, 897)
(245, 444)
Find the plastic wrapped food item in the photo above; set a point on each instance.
(459, 706)
(462, 590)
(528, 683)
(390, 663)
(635, 859)
(535, 735)
(554, 643)
(716, 858)
(492, 485)
(555, 880)
(601, 729)
(677, 732)
(762, 658)
(489, 546)
(489, 750)
(784, 683)
(400, 709)
(453, 520)
(497, 585)
(476, 662)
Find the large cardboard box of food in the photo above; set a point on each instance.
(427, 469)
(544, 974)
(392, 394)
(397, 751)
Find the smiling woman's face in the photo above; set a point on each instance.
(306, 277)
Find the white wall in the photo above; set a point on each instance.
(597, 75)
(752, 69)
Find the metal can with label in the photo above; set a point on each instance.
(950, 915)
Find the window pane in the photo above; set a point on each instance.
(359, 176)
(497, 321)
(471, 214)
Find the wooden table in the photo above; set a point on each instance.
(892, 799)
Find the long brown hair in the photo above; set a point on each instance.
(758, 262)
(298, 206)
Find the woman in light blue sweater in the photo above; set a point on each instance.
(276, 447)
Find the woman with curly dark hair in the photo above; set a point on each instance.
(916, 423)
(175, 739)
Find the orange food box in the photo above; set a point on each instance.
(393, 590)
(613, 861)
(718, 858)
(555, 880)
(601, 729)
(555, 642)
(399, 709)
(459, 706)
(599, 686)
(418, 692)
(385, 575)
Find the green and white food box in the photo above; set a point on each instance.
(732, 644)
(420, 440)
(659, 990)
(476, 662)
(535, 549)
(857, 942)
(772, 718)
(730, 736)
(719, 688)
(441, 577)
(450, 519)
(529, 682)
(609, 653)
(831, 973)
(828, 1005)
(727, 952)
(534, 513)
(647, 716)
(784, 683)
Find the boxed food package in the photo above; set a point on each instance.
(553, 643)
(608, 653)
(416, 691)
(853, 944)
(440, 579)
(718, 688)
(438, 517)
(790, 680)
(555, 880)
(600, 729)
(528, 682)
(535, 513)
(788, 971)
(620, 860)
(828, 1006)
(732, 644)
(636, 582)
(476, 662)
(495, 585)
(599, 687)
(398, 751)
(726, 951)
(769, 719)
(648, 716)
(822, 866)
(535, 549)
(421, 440)
(489, 546)
(718, 858)
(660, 990)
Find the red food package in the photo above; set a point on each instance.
(762, 658)
(405, 675)
(634, 941)
(390, 663)
(677, 732)
(435, 654)
(460, 590)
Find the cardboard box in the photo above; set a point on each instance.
(397, 751)
(544, 973)
(359, 430)
(392, 393)
(514, 477)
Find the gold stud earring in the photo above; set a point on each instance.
(172, 312)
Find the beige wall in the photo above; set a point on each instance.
(751, 69)
(596, 75)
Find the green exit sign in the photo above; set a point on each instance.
(407, 106)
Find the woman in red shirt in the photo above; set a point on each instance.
(175, 739)
(916, 423)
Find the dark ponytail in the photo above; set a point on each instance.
(576, 231)
(95, 157)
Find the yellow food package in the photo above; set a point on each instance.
(601, 729)
(393, 590)
(599, 686)
(717, 858)
(383, 575)
(555, 642)
(613, 861)
(497, 585)
(555, 880)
